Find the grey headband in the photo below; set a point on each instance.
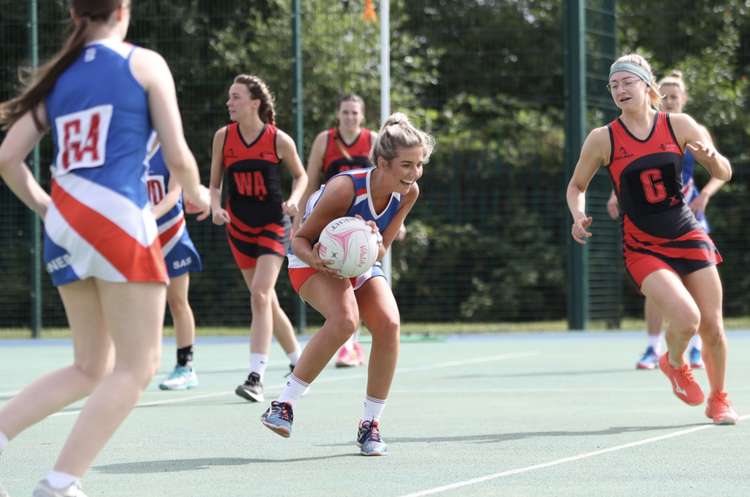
(632, 69)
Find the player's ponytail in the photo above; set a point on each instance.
(398, 132)
(259, 91)
(41, 81)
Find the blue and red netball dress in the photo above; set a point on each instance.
(659, 229)
(258, 225)
(178, 249)
(689, 190)
(99, 223)
(341, 156)
(362, 205)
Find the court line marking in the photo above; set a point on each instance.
(277, 389)
(557, 462)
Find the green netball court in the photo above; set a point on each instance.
(517, 415)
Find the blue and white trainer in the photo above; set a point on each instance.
(368, 439)
(182, 378)
(649, 360)
(696, 361)
(278, 418)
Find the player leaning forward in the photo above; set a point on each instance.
(382, 196)
(667, 253)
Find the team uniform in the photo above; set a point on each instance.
(689, 190)
(362, 205)
(99, 223)
(659, 229)
(258, 225)
(340, 156)
(179, 252)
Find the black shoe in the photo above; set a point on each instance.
(291, 370)
(252, 389)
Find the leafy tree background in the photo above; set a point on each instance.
(487, 239)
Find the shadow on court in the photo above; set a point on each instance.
(509, 437)
(174, 465)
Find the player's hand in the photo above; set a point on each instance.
(579, 230)
(220, 216)
(703, 152)
(320, 264)
(401, 235)
(613, 208)
(290, 208)
(698, 205)
(198, 202)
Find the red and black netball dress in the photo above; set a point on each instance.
(258, 225)
(341, 156)
(659, 229)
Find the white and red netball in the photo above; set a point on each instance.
(351, 244)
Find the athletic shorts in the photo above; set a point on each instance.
(299, 275)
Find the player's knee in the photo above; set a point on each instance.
(387, 328)
(685, 318)
(345, 323)
(94, 369)
(177, 304)
(260, 297)
(711, 328)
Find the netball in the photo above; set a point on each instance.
(351, 244)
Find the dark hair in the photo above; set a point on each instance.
(351, 97)
(259, 91)
(40, 82)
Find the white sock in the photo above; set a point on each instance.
(58, 479)
(293, 390)
(258, 364)
(696, 342)
(294, 356)
(3, 441)
(654, 341)
(373, 408)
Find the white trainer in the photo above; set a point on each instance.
(44, 489)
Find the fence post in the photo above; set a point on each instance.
(299, 123)
(575, 126)
(36, 232)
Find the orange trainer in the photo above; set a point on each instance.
(684, 385)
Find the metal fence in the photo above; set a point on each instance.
(487, 239)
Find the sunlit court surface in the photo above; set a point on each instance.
(521, 414)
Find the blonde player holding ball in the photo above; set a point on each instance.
(382, 196)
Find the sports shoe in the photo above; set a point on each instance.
(369, 441)
(44, 489)
(252, 389)
(182, 378)
(696, 361)
(720, 409)
(291, 370)
(684, 385)
(278, 418)
(360, 353)
(649, 360)
(347, 358)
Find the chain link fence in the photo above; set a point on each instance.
(486, 241)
